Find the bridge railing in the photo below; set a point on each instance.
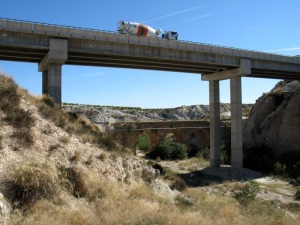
(97, 34)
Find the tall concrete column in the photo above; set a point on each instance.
(45, 82)
(51, 67)
(214, 105)
(54, 82)
(236, 123)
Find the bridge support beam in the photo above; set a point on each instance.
(51, 67)
(236, 113)
(214, 105)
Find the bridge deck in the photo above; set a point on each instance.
(29, 42)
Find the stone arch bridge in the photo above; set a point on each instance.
(195, 134)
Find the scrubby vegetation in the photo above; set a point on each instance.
(74, 124)
(20, 119)
(168, 150)
(247, 193)
(72, 190)
(143, 142)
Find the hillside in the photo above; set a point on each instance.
(109, 114)
(58, 168)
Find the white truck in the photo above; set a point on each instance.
(139, 29)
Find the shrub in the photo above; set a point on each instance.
(143, 142)
(279, 168)
(64, 139)
(167, 150)
(225, 149)
(9, 93)
(81, 183)
(179, 151)
(31, 182)
(18, 118)
(178, 184)
(247, 193)
(103, 156)
(204, 153)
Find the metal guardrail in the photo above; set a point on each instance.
(113, 32)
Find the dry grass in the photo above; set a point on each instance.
(30, 182)
(89, 199)
(193, 164)
(21, 120)
(71, 123)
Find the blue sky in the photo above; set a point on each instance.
(269, 25)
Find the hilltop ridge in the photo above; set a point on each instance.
(114, 114)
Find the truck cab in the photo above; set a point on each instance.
(170, 35)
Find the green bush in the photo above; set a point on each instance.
(179, 151)
(204, 153)
(167, 150)
(143, 142)
(247, 193)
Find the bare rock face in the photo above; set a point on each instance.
(274, 121)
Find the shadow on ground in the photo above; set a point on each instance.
(212, 176)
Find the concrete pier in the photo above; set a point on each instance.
(236, 113)
(214, 105)
(236, 123)
(51, 67)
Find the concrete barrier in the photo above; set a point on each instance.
(163, 43)
(2, 24)
(11, 26)
(52, 30)
(77, 33)
(65, 32)
(190, 47)
(143, 41)
(25, 27)
(153, 42)
(100, 36)
(199, 48)
(39, 29)
(111, 37)
(206, 48)
(173, 44)
(180, 45)
(88, 34)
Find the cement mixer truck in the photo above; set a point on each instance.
(143, 30)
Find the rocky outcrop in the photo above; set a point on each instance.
(274, 120)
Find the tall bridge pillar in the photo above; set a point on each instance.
(236, 113)
(51, 67)
(214, 106)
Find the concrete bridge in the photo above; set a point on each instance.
(52, 46)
